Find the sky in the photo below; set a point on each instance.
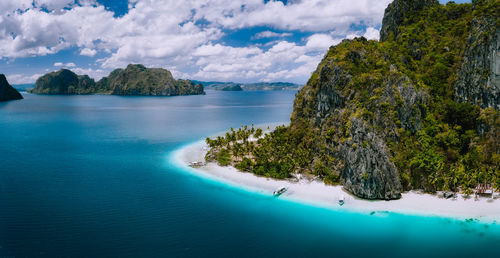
(211, 40)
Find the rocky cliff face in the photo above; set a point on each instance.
(398, 13)
(383, 112)
(64, 82)
(368, 171)
(7, 92)
(355, 135)
(139, 80)
(479, 77)
(380, 117)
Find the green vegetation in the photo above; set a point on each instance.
(277, 154)
(134, 80)
(403, 90)
(139, 80)
(64, 82)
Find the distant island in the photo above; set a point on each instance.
(7, 92)
(24, 86)
(417, 110)
(136, 80)
(232, 86)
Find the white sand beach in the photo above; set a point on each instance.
(316, 193)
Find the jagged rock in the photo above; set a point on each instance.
(400, 92)
(368, 171)
(64, 82)
(398, 11)
(330, 104)
(7, 92)
(479, 77)
(328, 97)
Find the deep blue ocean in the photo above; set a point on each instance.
(90, 176)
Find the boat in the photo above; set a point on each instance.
(280, 191)
(341, 200)
(196, 164)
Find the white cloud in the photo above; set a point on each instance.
(321, 42)
(88, 52)
(22, 78)
(310, 15)
(271, 34)
(67, 65)
(372, 33)
(10, 6)
(283, 61)
(96, 74)
(184, 36)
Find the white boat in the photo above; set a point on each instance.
(341, 200)
(280, 191)
(196, 164)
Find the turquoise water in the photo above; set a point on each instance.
(90, 176)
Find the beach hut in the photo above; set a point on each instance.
(484, 189)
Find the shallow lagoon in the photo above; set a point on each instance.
(90, 175)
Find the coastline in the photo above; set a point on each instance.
(316, 193)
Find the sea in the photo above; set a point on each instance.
(92, 176)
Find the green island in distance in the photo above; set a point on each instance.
(138, 80)
(135, 80)
(418, 109)
(232, 86)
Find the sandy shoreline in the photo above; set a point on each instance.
(319, 194)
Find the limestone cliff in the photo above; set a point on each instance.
(479, 77)
(399, 13)
(7, 92)
(381, 117)
(356, 117)
(379, 110)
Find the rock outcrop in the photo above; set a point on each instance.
(368, 172)
(397, 12)
(364, 98)
(355, 137)
(381, 117)
(7, 92)
(134, 80)
(64, 82)
(479, 77)
(139, 80)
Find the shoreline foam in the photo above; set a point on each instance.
(318, 194)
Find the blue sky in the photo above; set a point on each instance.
(224, 40)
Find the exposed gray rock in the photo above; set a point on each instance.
(479, 77)
(409, 101)
(368, 171)
(331, 80)
(7, 92)
(396, 13)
